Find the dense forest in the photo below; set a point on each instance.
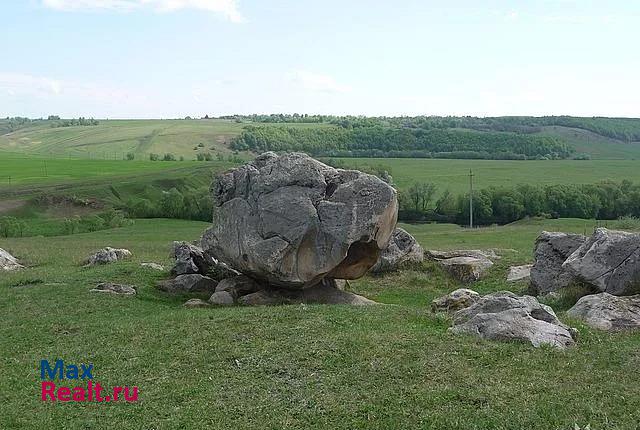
(391, 141)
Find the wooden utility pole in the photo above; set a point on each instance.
(470, 198)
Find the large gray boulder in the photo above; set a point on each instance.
(609, 261)
(605, 311)
(504, 316)
(551, 251)
(8, 261)
(291, 221)
(403, 249)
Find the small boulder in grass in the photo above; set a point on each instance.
(196, 303)
(154, 266)
(112, 288)
(455, 300)
(221, 298)
(107, 255)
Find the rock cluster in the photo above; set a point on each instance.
(8, 261)
(287, 229)
(608, 261)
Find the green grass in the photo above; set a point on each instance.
(454, 174)
(295, 366)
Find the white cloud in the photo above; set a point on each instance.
(227, 8)
(317, 82)
(16, 83)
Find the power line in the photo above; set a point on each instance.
(471, 198)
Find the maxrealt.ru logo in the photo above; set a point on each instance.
(91, 392)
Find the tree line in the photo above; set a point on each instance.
(381, 141)
(501, 205)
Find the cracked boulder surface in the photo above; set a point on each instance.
(609, 261)
(551, 251)
(291, 220)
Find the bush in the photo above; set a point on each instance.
(130, 156)
(169, 157)
(154, 157)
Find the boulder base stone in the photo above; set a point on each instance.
(436, 255)
(519, 273)
(221, 298)
(111, 288)
(192, 283)
(108, 255)
(8, 261)
(403, 249)
(290, 221)
(190, 259)
(326, 292)
(454, 301)
(503, 316)
(551, 251)
(238, 286)
(605, 311)
(609, 261)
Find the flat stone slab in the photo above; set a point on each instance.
(111, 288)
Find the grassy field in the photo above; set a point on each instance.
(295, 366)
(113, 139)
(454, 174)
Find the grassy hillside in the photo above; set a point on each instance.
(598, 146)
(454, 174)
(113, 139)
(310, 367)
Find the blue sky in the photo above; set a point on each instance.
(172, 58)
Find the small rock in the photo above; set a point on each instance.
(403, 249)
(605, 311)
(238, 286)
(504, 316)
(519, 273)
(8, 261)
(221, 298)
(466, 269)
(111, 288)
(196, 303)
(154, 266)
(107, 255)
(454, 301)
(192, 283)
